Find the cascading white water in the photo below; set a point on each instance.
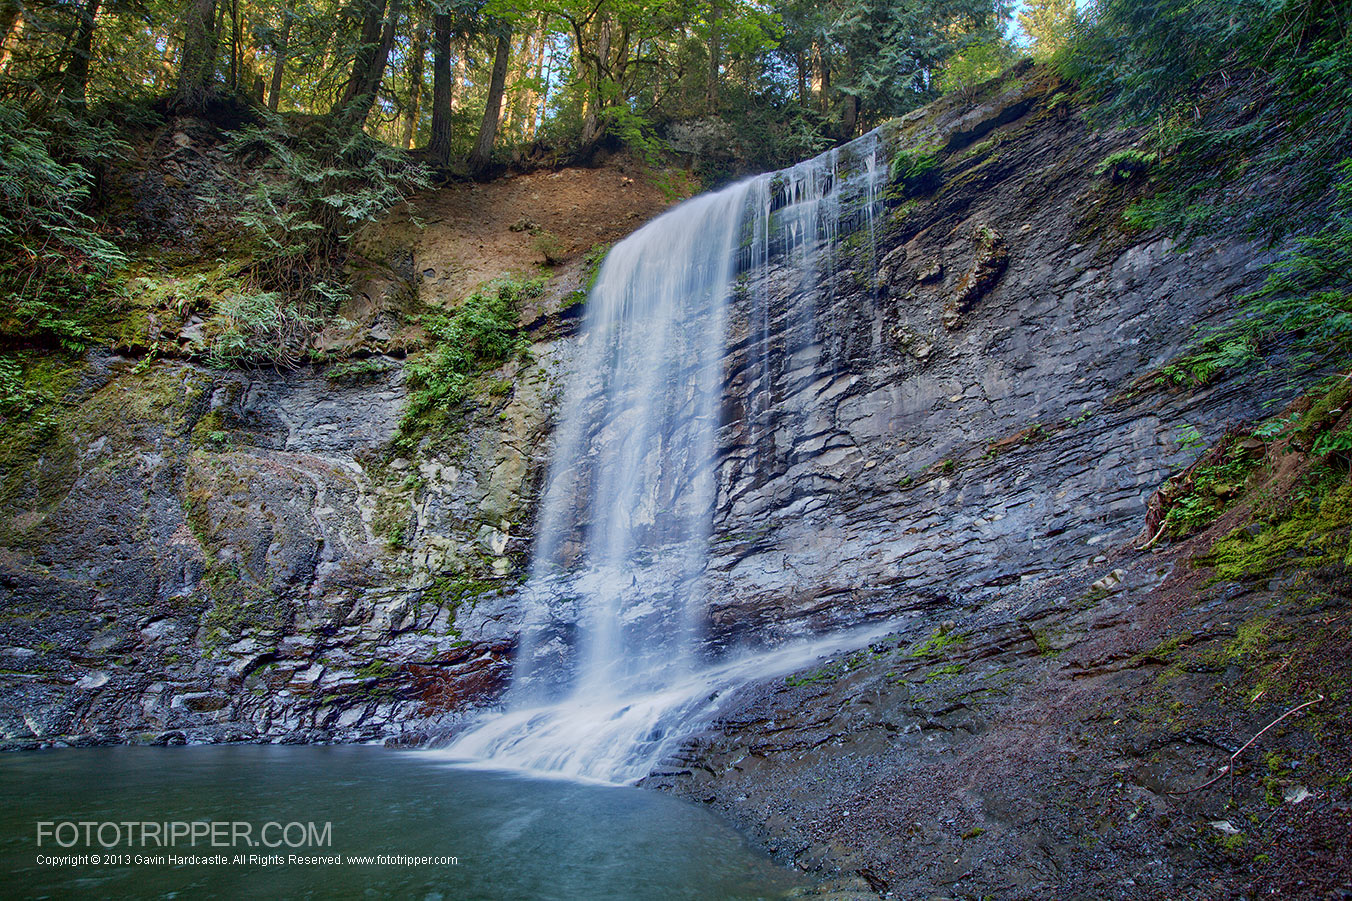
(611, 673)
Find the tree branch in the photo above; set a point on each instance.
(1229, 767)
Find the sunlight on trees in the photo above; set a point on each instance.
(489, 81)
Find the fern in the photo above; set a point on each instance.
(479, 334)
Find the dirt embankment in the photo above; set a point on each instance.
(543, 223)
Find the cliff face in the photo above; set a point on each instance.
(228, 556)
(977, 448)
(963, 422)
(982, 413)
(956, 422)
(218, 556)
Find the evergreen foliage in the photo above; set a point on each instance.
(314, 189)
(52, 259)
(1307, 298)
(1049, 24)
(480, 82)
(478, 335)
(1188, 71)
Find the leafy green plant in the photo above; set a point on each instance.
(1208, 491)
(1274, 427)
(1214, 356)
(264, 327)
(1251, 90)
(55, 268)
(1124, 165)
(1189, 438)
(634, 130)
(917, 172)
(476, 336)
(550, 246)
(20, 399)
(42, 199)
(312, 189)
(1303, 309)
(1327, 443)
(316, 187)
(1308, 292)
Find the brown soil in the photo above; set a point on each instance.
(476, 232)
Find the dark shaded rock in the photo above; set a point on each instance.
(990, 259)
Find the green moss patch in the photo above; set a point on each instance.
(1313, 532)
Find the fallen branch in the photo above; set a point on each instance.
(1229, 767)
(1153, 540)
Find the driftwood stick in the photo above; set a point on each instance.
(1151, 542)
(1229, 767)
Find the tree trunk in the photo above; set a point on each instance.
(488, 131)
(537, 85)
(11, 11)
(443, 90)
(802, 79)
(507, 118)
(199, 54)
(236, 46)
(12, 22)
(588, 97)
(279, 62)
(366, 80)
(849, 120)
(75, 76)
(415, 84)
(363, 60)
(526, 78)
(715, 54)
(591, 122)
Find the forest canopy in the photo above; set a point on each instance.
(332, 111)
(463, 79)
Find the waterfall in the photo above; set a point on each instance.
(614, 667)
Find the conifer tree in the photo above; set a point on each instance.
(1049, 24)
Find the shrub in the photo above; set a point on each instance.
(1308, 291)
(312, 190)
(52, 261)
(916, 171)
(1303, 308)
(1124, 165)
(550, 246)
(264, 327)
(315, 189)
(478, 335)
(1230, 90)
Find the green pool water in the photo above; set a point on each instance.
(268, 822)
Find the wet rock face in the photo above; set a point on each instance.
(948, 412)
(203, 556)
(974, 410)
(969, 448)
